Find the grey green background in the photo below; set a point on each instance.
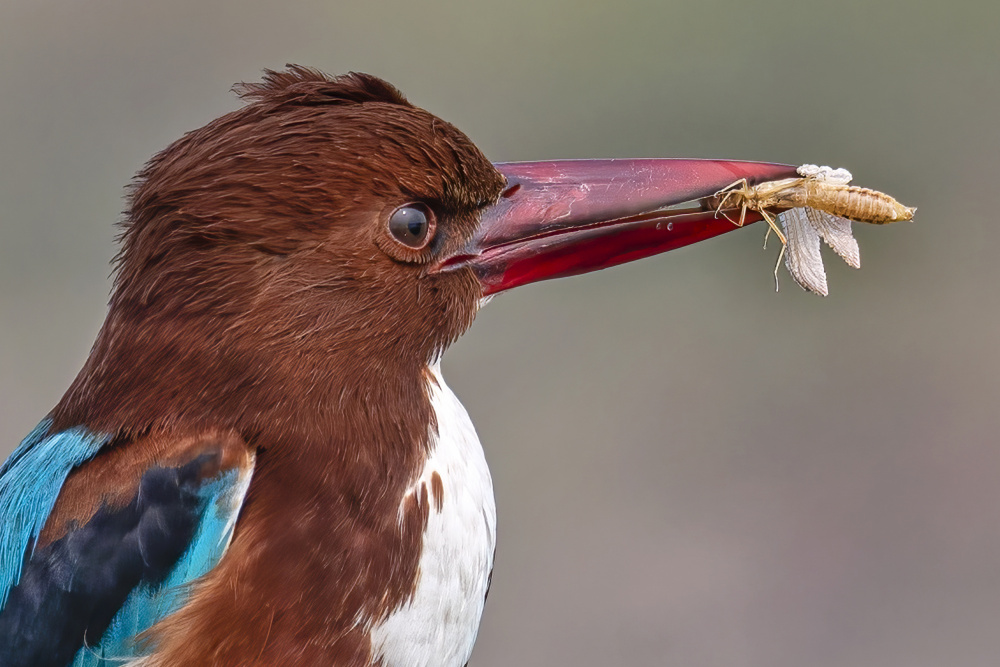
(690, 469)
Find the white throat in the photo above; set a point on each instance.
(437, 627)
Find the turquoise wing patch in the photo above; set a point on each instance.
(221, 500)
(30, 482)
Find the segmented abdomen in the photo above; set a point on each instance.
(858, 204)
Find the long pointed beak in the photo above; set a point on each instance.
(566, 217)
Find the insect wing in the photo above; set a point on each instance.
(802, 255)
(836, 231)
(825, 174)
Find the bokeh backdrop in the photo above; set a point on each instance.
(690, 469)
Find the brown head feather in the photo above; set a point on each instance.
(254, 255)
(309, 86)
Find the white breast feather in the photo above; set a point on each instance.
(437, 627)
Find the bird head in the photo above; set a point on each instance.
(312, 215)
(331, 229)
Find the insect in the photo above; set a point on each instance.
(819, 204)
(820, 188)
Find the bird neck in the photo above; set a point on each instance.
(189, 370)
(330, 520)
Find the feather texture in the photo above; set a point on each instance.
(83, 597)
(222, 499)
(30, 481)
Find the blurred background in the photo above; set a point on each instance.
(690, 469)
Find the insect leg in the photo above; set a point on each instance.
(772, 224)
(743, 213)
(740, 187)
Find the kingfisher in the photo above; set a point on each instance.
(260, 463)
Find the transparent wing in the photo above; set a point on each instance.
(836, 231)
(802, 257)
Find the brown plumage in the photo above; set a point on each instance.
(248, 298)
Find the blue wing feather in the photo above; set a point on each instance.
(222, 498)
(30, 482)
(80, 576)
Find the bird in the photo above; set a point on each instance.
(260, 462)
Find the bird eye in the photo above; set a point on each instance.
(412, 225)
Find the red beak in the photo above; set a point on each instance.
(566, 217)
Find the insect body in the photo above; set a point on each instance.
(820, 204)
(821, 188)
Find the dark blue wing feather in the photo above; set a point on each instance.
(83, 598)
(219, 502)
(30, 482)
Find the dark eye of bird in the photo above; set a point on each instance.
(412, 225)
